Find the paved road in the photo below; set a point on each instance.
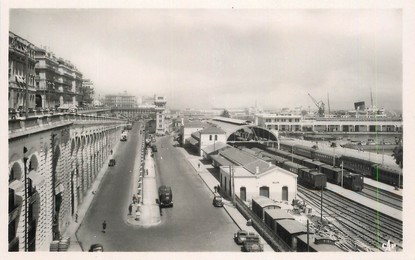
(193, 221)
(192, 225)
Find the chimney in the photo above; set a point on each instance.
(257, 170)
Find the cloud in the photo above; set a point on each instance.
(221, 58)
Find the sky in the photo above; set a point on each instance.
(207, 58)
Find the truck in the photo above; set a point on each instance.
(165, 196)
(252, 243)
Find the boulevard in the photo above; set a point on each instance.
(192, 224)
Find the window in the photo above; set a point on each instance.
(210, 137)
(216, 137)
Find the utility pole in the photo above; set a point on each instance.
(233, 184)
(26, 187)
(321, 207)
(308, 239)
(342, 174)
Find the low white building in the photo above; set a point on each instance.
(254, 177)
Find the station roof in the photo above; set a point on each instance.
(214, 147)
(247, 161)
(220, 160)
(292, 226)
(230, 120)
(194, 124)
(278, 214)
(238, 156)
(212, 130)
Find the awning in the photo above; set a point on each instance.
(37, 180)
(16, 185)
(192, 141)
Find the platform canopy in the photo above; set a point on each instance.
(243, 131)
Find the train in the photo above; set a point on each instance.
(307, 177)
(310, 171)
(376, 171)
(289, 230)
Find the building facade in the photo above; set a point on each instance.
(121, 101)
(21, 72)
(50, 172)
(51, 81)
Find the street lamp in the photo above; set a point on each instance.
(333, 144)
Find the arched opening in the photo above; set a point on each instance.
(242, 193)
(38, 100)
(285, 193)
(264, 191)
(16, 186)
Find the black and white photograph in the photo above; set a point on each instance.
(214, 130)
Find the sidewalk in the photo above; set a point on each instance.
(211, 182)
(149, 211)
(70, 232)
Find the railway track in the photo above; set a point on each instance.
(385, 197)
(371, 227)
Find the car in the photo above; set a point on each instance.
(240, 236)
(217, 200)
(111, 162)
(96, 248)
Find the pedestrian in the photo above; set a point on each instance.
(134, 198)
(76, 217)
(198, 165)
(104, 226)
(130, 209)
(111, 151)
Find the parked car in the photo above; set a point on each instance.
(217, 200)
(111, 162)
(96, 248)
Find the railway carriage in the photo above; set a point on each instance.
(312, 164)
(312, 178)
(357, 165)
(326, 157)
(389, 175)
(334, 174)
(292, 166)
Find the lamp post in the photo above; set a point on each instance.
(26, 187)
(342, 174)
(292, 153)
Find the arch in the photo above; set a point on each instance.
(73, 146)
(33, 163)
(250, 133)
(284, 193)
(264, 191)
(15, 172)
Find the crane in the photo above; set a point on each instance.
(319, 105)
